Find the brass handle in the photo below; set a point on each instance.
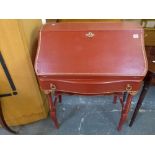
(53, 89)
(128, 87)
(129, 90)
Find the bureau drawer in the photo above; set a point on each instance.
(89, 86)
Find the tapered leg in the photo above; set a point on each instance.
(124, 96)
(115, 99)
(121, 101)
(120, 98)
(125, 111)
(3, 123)
(146, 86)
(60, 98)
(52, 106)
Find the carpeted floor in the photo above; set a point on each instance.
(95, 115)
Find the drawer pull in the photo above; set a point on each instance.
(128, 87)
(53, 89)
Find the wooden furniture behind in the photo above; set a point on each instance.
(17, 44)
(83, 20)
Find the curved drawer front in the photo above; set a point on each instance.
(90, 86)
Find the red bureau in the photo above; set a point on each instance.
(91, 59)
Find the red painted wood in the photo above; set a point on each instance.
(91, 58)
(125, 110)
(52, 106)
(89, 86)
(99, 55)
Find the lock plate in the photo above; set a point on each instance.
(90, 34)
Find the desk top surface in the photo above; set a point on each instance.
(106, 49)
